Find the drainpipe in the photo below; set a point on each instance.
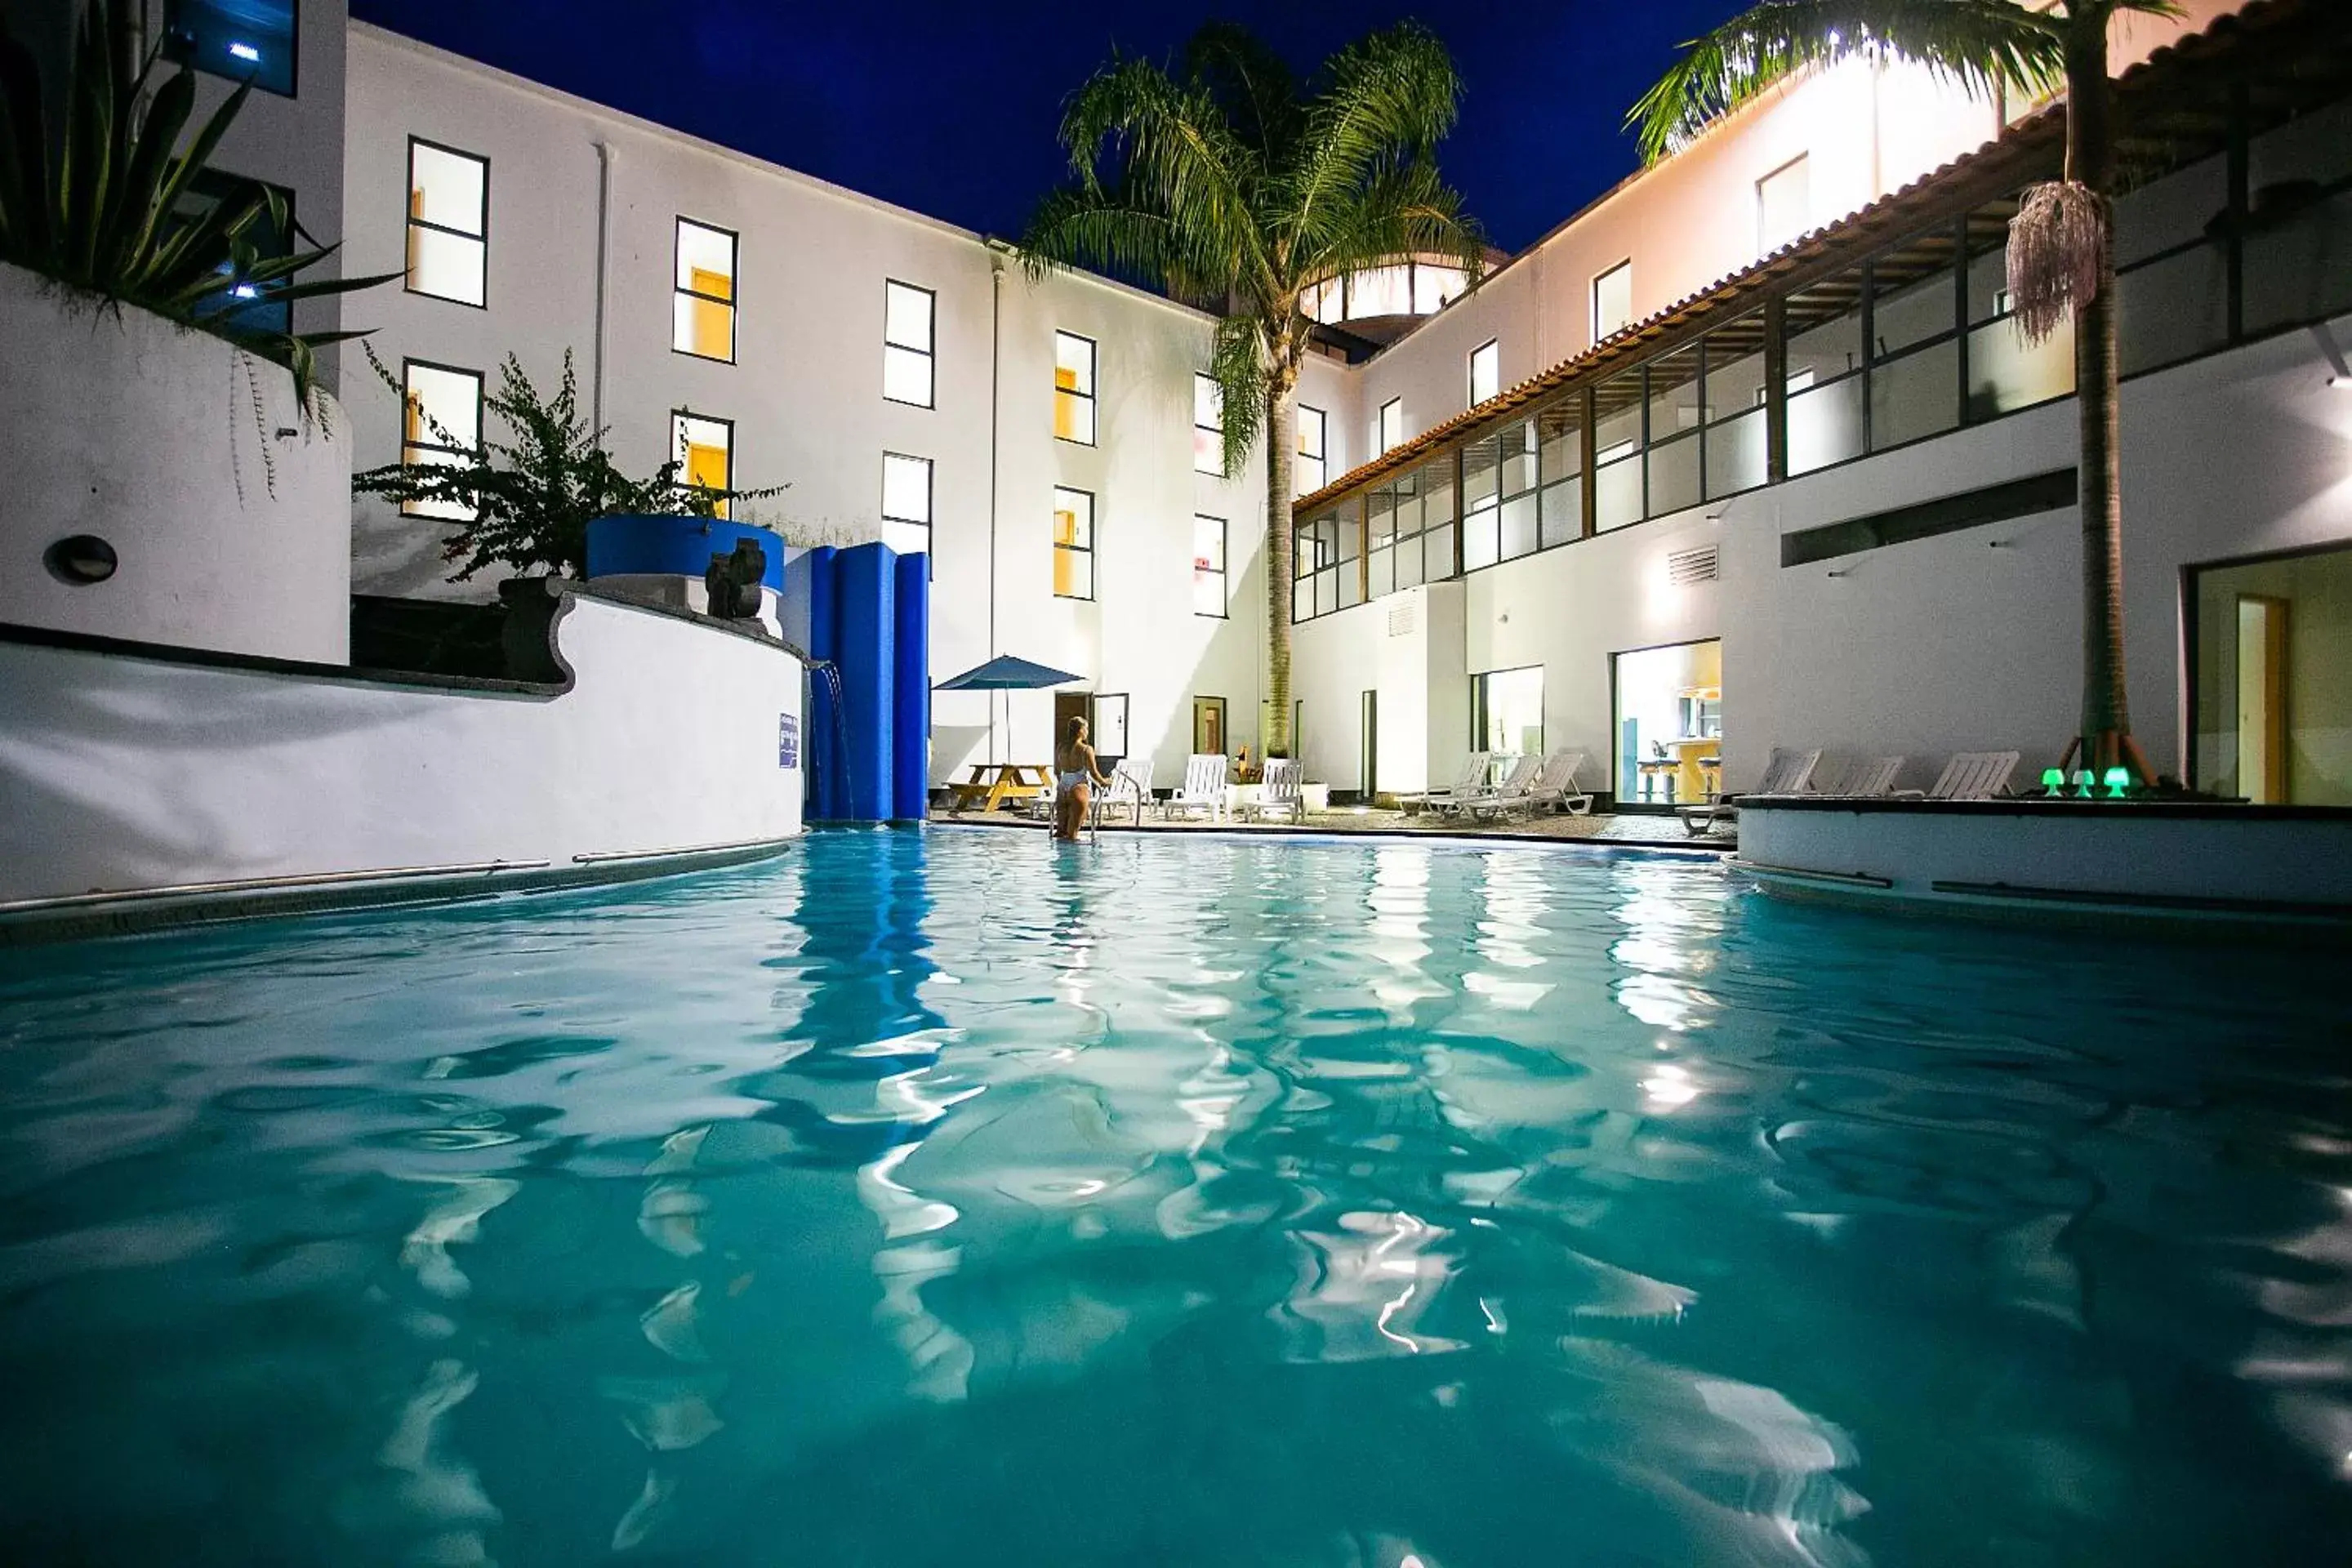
(1878, 167)
(995, 339)
(603, 244)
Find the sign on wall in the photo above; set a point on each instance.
(788, 740)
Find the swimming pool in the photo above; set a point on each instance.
(951, 1197)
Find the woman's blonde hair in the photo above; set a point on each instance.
(1074, 730)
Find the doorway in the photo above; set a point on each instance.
(1668, 724)
(2262, 699)
(1208, 726)
(1069, 705)
(1368, 752)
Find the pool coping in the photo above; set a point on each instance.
(1718, 848)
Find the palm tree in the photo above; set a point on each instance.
(2059, 256)
(1234, 185)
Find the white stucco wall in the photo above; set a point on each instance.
(805, 391)
(225, 505)
(120, 772)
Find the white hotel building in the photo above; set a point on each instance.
(1744, 453)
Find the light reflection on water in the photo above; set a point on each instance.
(953, 1198)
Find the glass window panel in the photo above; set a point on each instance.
(1507, 711)
(702, 315)
(704, 451)
(1383, 569)
(1074, 518)
(1352, 538)
(2174, 310)
(242, 40)
(1208, 402)
(1735, 369)
(447, 266)
(1674, 393)
(1563, 513)
(1824, 424)
(1911, 306)
(1824, 327)
(1380, 291)
(1916, 395)
(1561, 429)
(1735, 455)
(1784, 205)
(706, 259)
(2295, 263)
(1209, 593)
(1351, 588)
(1988, 262)
(1485, 373)
(1437, 553)
(907, 538)
(1074, 364)
(1327, 593)
(907, 316)
(443, 424)
(447, 189)
(1613, 301)
(1209, 543)
(1392, 424)
(1673, 475)
(1617, 493)
(906, 488)
(1325, 302)
(1482, 536)
(2005, 372)
(1436, 494)
(1518, 444)
(1409, 572)
(1380, 516)
(1519, 526)
(906, 375)
(1434, 287)
(1302, 599)
(1481, 461)
(1617, 410)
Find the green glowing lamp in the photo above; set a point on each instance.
(2118, 781)
(2053, 781)
(2086, 782)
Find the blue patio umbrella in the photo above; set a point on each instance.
(1005, 673)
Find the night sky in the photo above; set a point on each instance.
(950, 109)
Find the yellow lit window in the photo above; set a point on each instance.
(703, 308)
(1074, 544)
(704, 449)
(441, 423)
(1074, 388)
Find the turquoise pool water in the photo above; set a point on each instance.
(953, 1198)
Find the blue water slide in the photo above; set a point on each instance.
(911, 715)
(865, 581)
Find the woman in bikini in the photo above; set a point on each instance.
(1075, 778)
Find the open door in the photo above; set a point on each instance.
(2262, 699)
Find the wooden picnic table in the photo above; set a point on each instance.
(993, 784)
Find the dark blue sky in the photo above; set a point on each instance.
(951, 107)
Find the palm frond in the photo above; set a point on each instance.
(1237, 363)
(1388, 98)
(1982, 45)
(1405, 209)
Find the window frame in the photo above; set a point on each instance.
(1199, 380)
(411, 221)
(481, 391)
(930, 355)
(1491, 346)
(1381, 425)
(679, 224)
(1094, 380)
(1592, 300)
(1320, 457)
(1087, 550)
(179, 48)
(1765, 245)
(1482, 708)
(678, 444)
(930, 497)
(1222, 571)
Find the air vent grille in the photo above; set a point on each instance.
(1402, 617)
(1684, 567)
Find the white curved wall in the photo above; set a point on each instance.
(119, 774)
(122, 424)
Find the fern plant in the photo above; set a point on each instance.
(533, 495)
(107, 210)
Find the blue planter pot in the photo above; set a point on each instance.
(675, 546)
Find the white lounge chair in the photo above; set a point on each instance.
(1129, 786)
(1476, 769)
(1869, 780)
(1556, 790)
(1202, 791)
(1969, 776)
(1510, 795)
(1785, 773)
(1281, 792)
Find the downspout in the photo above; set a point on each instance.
(604, 243)
(995, 338)
(1878, 164)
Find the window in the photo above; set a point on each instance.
(1499, 481)
(704, 450)
(908, 314)
(244, 40)
(1613, 301)
(702, 306)
(1784, 205)
(1485, 372)
(1208, 726)
(1208, 425)
(1506, 711)
(1668, 724)
(1311, 474)
(1209, 567)
(1073, 389)
(1326, 565)
(1110, 728)
(1409, 530)
(441, 423)
(448, 223)
(253, 306)
(1388, 432)
(907, 503)
(1074, 544)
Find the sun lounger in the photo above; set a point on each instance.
(1129, 787)
(1556, 789)
(1475, 771)
(1785, 773)
(1969, 776)
(1509, 797)
(1869, 780)
(1281, 792)
(1203, 792)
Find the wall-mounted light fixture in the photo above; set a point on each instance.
(80, 559)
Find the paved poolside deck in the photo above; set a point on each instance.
(1643, 829)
